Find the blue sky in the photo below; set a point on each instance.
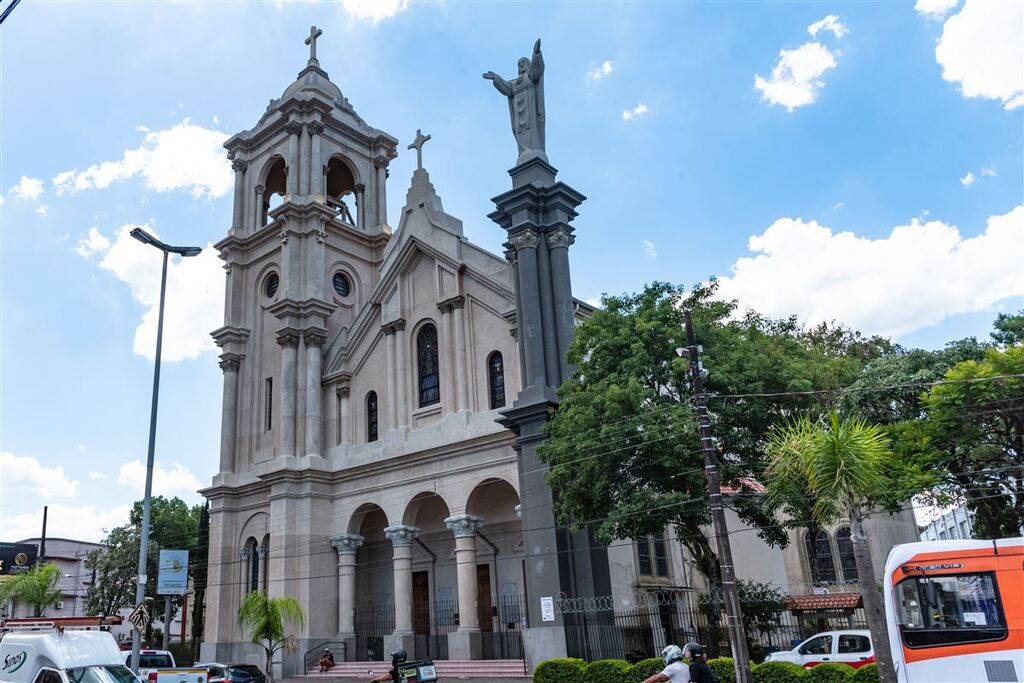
(852, 161)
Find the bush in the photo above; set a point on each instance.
(830, 672)
(723, 669)
(779, 672)
(566, 670)
(646, 668)
(608, 671)
(865, 674)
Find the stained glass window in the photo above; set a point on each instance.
(496, 379)
(427, 365)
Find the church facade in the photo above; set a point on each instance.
(384, 392)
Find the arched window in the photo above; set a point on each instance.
(496, 379)
(371, 416)
(846, 558)
(275, 185)
(426, 364)
(253, 559)
(819, 557)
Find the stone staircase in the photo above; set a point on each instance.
(447, 669)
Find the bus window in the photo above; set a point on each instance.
(949, 610)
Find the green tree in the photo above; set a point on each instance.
(1009, 329)
(114, 566)
(263, 619)
(844, 463)
(37, 588)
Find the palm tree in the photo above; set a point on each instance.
(838, 466)
(37, 588)
(263, 619)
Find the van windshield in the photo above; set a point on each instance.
(101, 674)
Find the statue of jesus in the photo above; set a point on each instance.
(525, 95)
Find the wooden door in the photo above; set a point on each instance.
(483, 597)
(420, 602)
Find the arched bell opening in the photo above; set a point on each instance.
(341, 190)
(275, 185)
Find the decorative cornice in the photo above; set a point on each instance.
(393, 326)
(314, 336)
(448, 305)
(526, 239)
(230, 362)
(560, 238)
(238, 165)
(464, 526)
(287, 336)
(315, 127)
(228, 334)
(293, 128)
(347, 544)
(402, 535)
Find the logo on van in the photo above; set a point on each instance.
(13, 662)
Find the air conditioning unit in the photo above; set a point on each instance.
(60, 604)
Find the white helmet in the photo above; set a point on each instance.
(671, 654)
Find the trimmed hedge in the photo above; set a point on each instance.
(865, 674)
(609, 671)
(779, 672)
(723, 669)
(646, 668)
(830, 672)
(565, 670)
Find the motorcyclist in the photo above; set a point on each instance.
(398, 657)
(675, 670)
(700, 672)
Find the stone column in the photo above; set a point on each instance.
(259, 217)
(229, 363)
(304, 161)
(263, 562)
(346, 545)
(293, 129)
(461, 381)
(525, 244)
(565, 317)
(346, 432)
(401, 372)
(465, 643)
(445, 349)
(360, 192)
(314, 338)
(288, 339)
(244, 558)
(381, 163)
(401, 536)
(316, 175)
(389, 364)
(237, 217)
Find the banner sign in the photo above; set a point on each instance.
(172, 578)
(17, 558)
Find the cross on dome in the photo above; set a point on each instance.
(417, 144)
(314, 33)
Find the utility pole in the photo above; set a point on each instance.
(42, 539)
(733, 610)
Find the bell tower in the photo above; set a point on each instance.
(308, 228)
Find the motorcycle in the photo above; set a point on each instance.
(422, 671)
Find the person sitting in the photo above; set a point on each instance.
(326, 661)
(700, 672)
(675, 670)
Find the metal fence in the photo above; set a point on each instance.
(373, 622)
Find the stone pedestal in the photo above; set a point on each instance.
(463, 645)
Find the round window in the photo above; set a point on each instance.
(271, 285)
(341, 284)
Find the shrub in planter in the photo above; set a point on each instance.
(565, 670)
(646, 668)
(608, 671)
(865, 674)
(779, 672)
(723, 669)
(830, 672)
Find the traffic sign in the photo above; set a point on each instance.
(139, 617)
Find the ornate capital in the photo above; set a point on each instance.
(457, 301)
(359, 187)
(514, 331)
(259, 189)
(314, 336)
(262, 550)
(283, 236)
(560, 238)
(527, 239)
(315, 127)
(401, 534)
(229, 362)
(293, 128)
(346, 544)
(239, 165)
(244, 553)
(343, 390)
(287, 337)
(510, 254)
(381, 161)
(393, 326)
(464, 526)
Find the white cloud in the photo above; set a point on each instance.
(42, 209)
(195, 292)
(829, 23)
(649, 251)
(178, 479)
(84, 523)
(98, 475)
(796, 77)
(934, 9)
(981, 48)
(28, 188)
(636, 112)
(183, 157)
(919, 275)
(968, 179)
(599, 72)
(22, 473)
(374, 10)
(988, 171)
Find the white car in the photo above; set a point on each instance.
(843, 647)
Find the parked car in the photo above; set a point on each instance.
(843, 647)
(51, 651)
(233, 673)
(151, 662)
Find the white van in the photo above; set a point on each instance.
(56, 655)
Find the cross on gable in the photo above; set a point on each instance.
(314, 33)
(417, 145)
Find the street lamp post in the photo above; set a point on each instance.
(140, 587)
